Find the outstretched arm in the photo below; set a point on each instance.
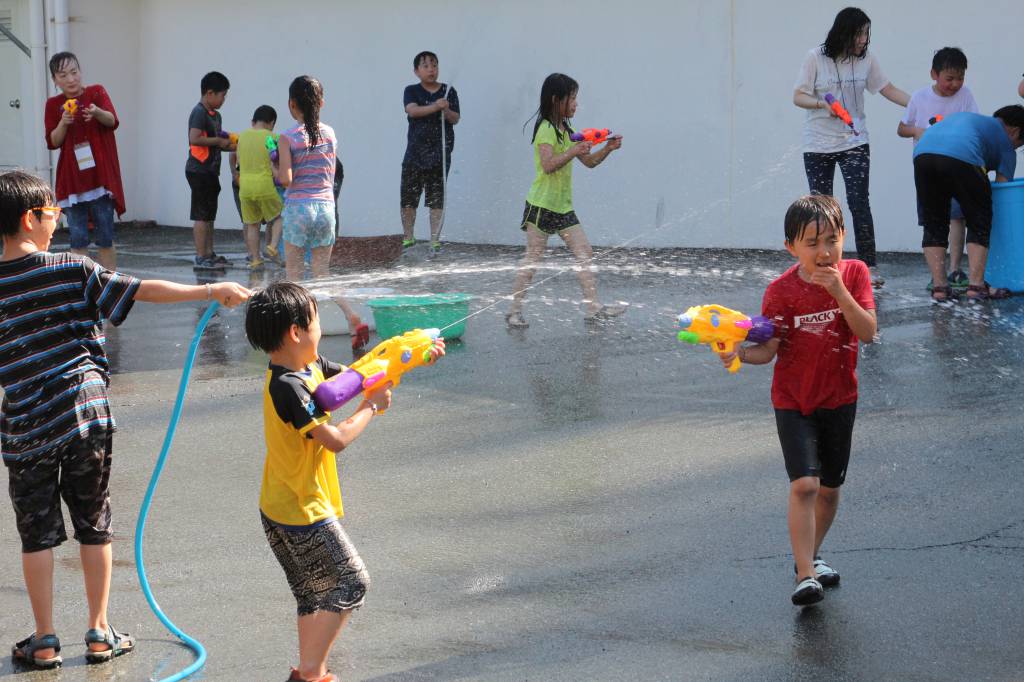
(161, 291)
(895, 95)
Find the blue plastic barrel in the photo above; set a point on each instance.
(1006, 249)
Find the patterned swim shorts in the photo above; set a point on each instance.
(323, 568)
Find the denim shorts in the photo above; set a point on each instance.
(102, 212)
(308, 224)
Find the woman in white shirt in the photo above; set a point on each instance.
(843, 67)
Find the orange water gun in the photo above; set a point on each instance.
(232, 137)
(934, 119)
(71, 106)
(840, 111)
(723, 329)
(592, 135)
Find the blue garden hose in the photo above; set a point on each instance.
(148, 500)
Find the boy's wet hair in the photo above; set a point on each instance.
(20, 192)
(842, 37)
(1012, 115)
(60, 60)
(423, 56)
(264, 114)
(215, 81)
(949, 59)
(820, 209)
(272, 311)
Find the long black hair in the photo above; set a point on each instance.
(557, 88)
(307, 93)
(842, 37)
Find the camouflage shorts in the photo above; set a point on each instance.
(78, 471)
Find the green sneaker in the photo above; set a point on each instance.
(958, 280)
(435, 247)
(406, 243)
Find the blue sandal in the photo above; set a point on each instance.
(119, 643)
(24, 652)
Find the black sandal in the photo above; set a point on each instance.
(24, 652)
(119, 643)
(986, 292)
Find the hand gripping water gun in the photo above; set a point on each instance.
(934, 119)
(592, 135)
(387, 362)
(840, 111)
(71, 106)
(272, 147)
(723, 329)
(233, 137)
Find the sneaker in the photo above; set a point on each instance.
(205, 263)
(516, 321)
(604, 312)
(808, 591)
(435, 248)
(826, 575)
(219, 260)
(406, 243)
(958, 280)
(876, 278)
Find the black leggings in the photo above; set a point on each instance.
(855, 165)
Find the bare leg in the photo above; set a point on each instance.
(202, 235)
(294, 261)
(977, 258)
(536, 242)
(957, 233)
(252, 241)
(576, 239)
(38, 570)
(802, 495)
(935, 256)
(274, 232)
(317, 632)
(408, 222)
(97, 562)
(108, 257)
(436, 214)
(824, 514)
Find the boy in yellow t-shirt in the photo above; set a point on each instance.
(259, 201)
(300, 499)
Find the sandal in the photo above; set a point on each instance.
(943, 294)
(605, 312)
(24, 652)
(119, 643)
(516, 321)
(361, 336)
(296, 677)
(985, 291)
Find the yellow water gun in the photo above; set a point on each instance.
(71, 106)
(723, 329)
(387, 362)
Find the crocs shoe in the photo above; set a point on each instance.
(808, 591)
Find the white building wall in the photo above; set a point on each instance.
(700, 90)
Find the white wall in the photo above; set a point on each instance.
(700, 90)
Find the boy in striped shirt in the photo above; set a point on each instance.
(55, 422)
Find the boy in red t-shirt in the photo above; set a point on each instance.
(80, 122)
(821, 307)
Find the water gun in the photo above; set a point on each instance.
(592, 135)
(387, 362)
(71, 106)
(840, 111)
(272, 147)
(233, 137)
(934, 119)
(723, 329)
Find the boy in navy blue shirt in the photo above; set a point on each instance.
(947, 161)
(426, 103)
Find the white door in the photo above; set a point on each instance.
(12, 100)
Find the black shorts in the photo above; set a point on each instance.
(323, 568)
(817, 444)
(205, 192)
(939, 179)
(426, 181)
(547, 221)
(77, 470)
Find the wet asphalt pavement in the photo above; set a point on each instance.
(574, 501)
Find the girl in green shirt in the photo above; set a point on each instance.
(549, 203)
